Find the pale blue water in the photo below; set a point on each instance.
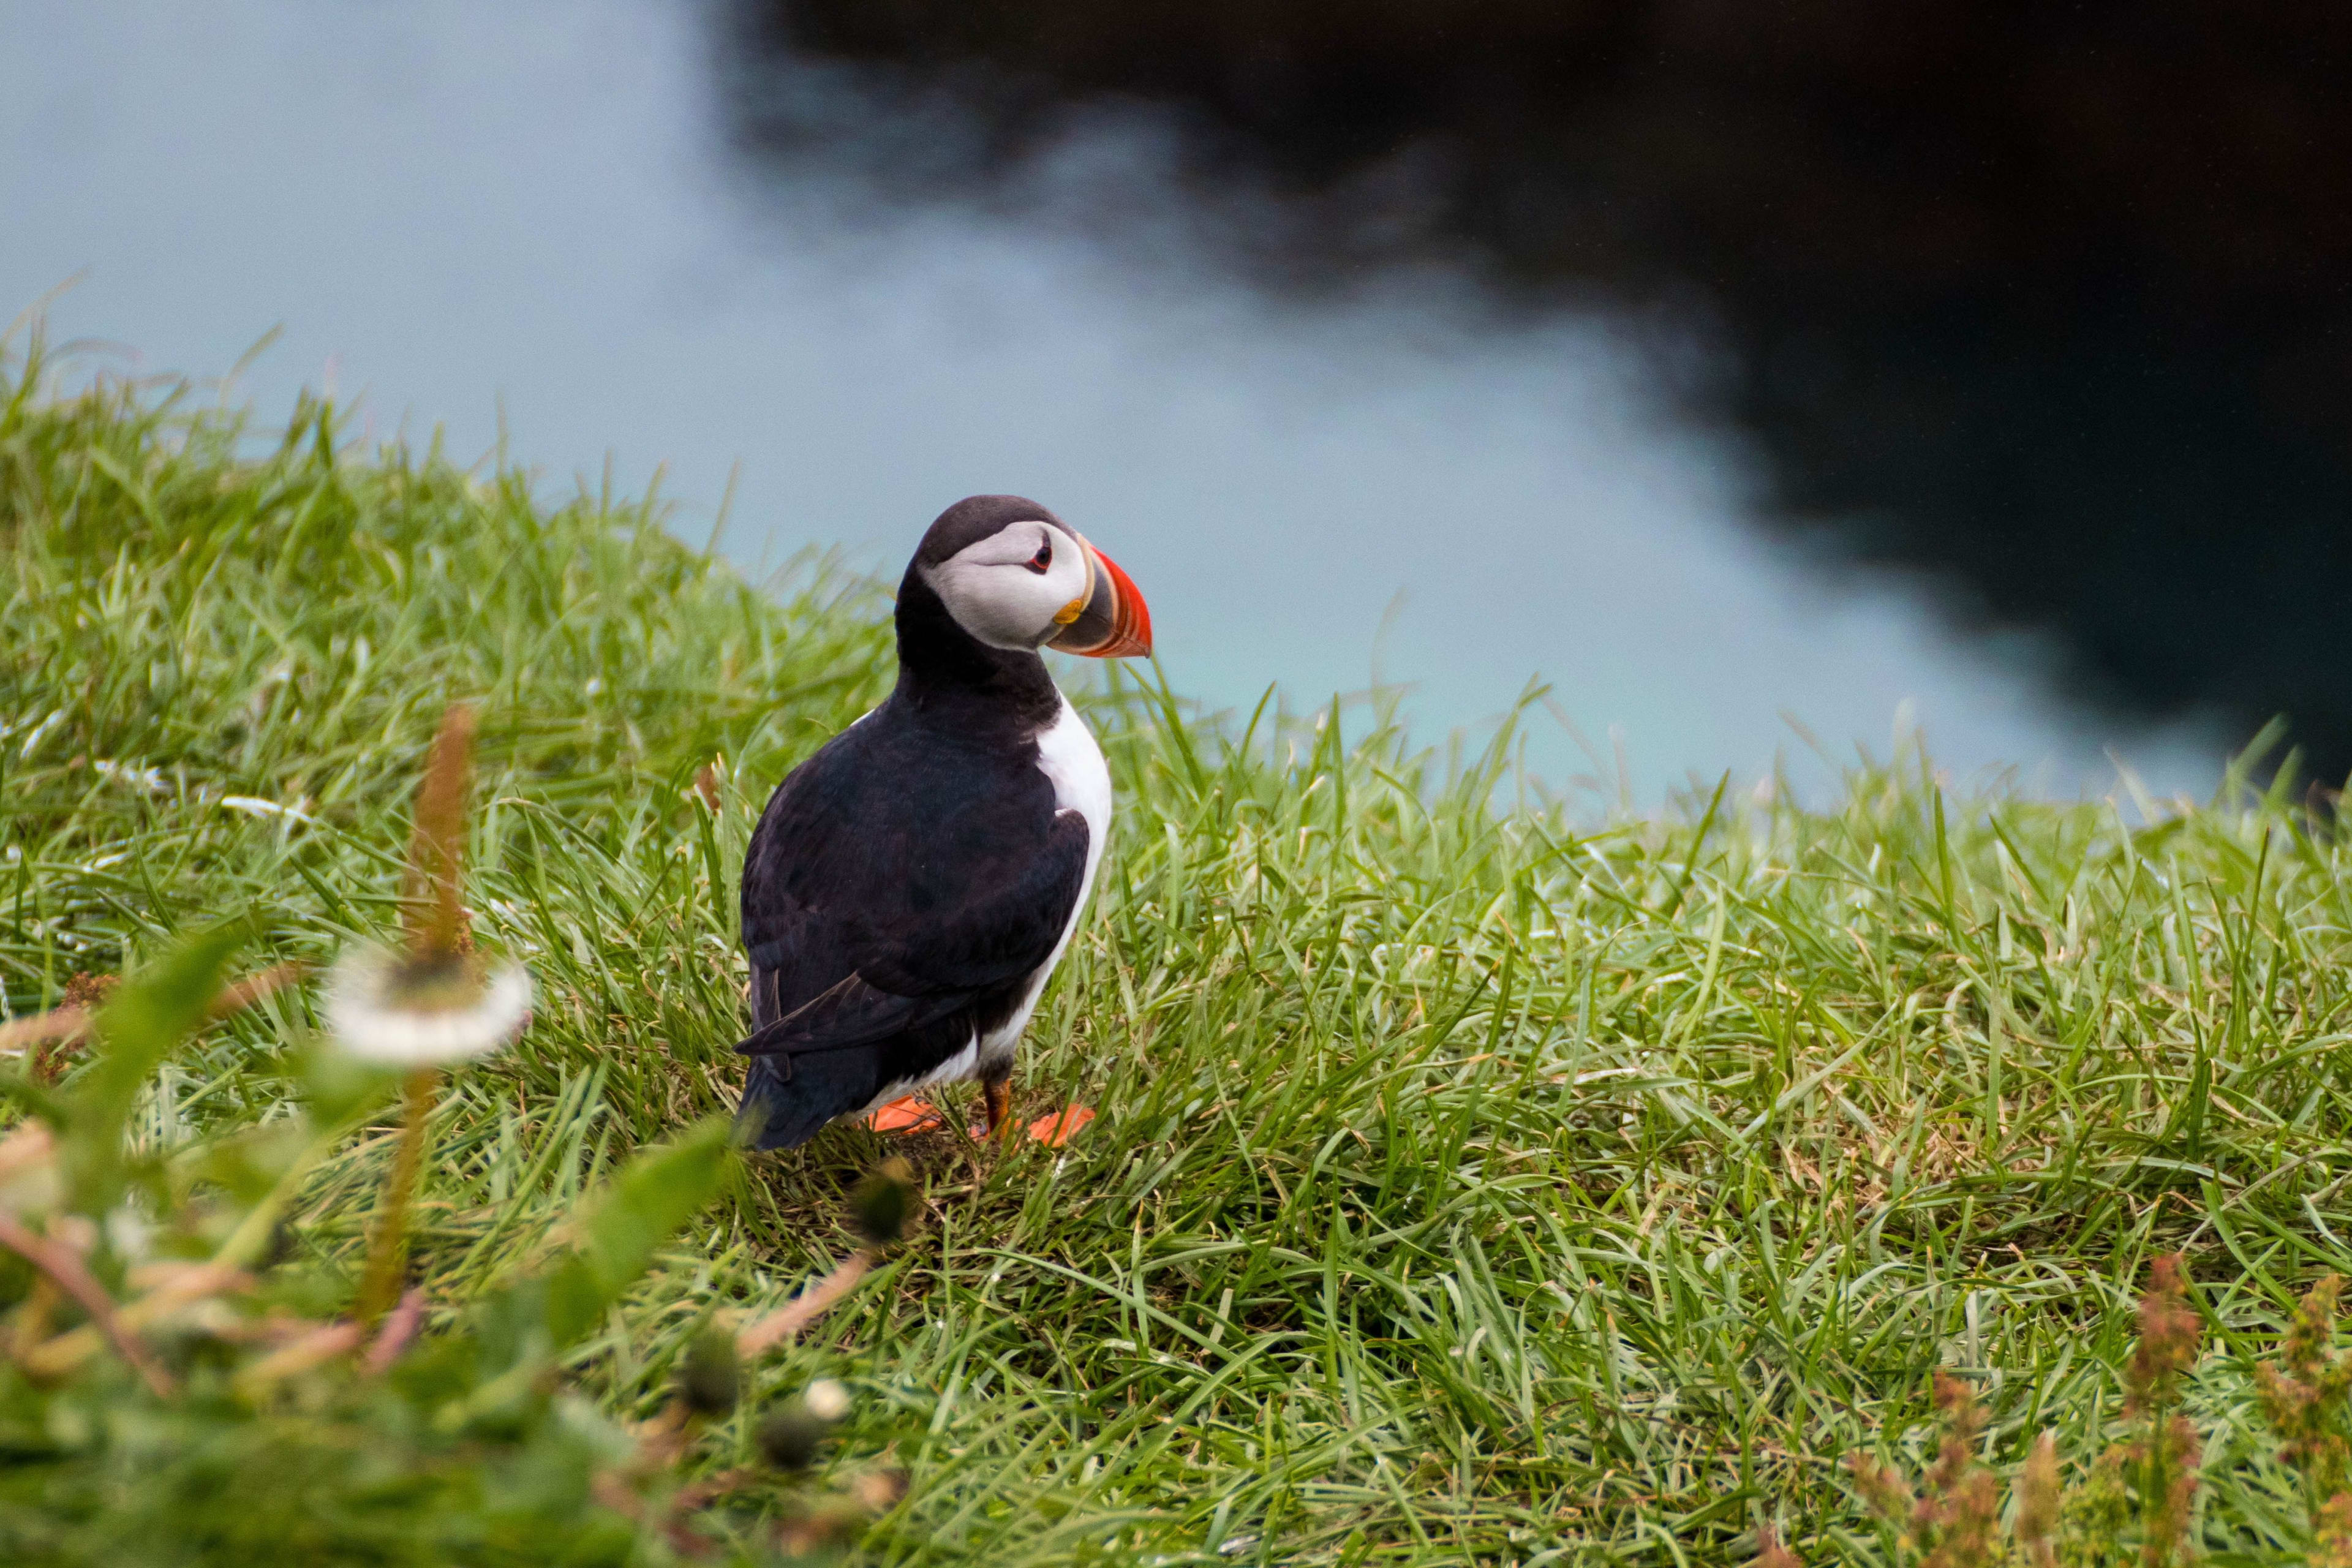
(527, 213)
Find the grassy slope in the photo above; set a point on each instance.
(1466, 1186)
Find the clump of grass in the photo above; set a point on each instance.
(1479, 1177)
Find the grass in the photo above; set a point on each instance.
(1473, 1182)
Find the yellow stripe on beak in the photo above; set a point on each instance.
(1078, 606)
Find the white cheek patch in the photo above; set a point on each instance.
(989, 588)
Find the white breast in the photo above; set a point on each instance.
(1067, 755)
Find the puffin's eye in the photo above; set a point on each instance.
(1043, 560)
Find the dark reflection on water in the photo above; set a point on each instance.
(603, 227)
(2051, 305)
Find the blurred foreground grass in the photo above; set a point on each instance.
(1472, 1182)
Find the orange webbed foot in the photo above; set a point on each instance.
(1061, 1127)
(905, 1114)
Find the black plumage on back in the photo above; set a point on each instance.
(907, 882)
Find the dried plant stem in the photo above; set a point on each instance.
(805, 1307)
(243, 993)
(186, 1283)
(321, 1344)
(32, 1317)
(2039, 1496)
(2302, 1395)
(2331, 1539)
(64, 1023)
(76, 1280)
(2167, 1452)
(388, 1251)
(73, 1020)
(398, 1330)
(437, 849)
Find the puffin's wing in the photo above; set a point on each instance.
(866, 926)
(1000, 929)
(852, 1013)
(951, 958)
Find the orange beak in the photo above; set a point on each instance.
(1131, 635)
(1116, 622)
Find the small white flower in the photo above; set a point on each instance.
(827, 1399)
(398, 1010)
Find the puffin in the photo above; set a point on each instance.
(913, 883)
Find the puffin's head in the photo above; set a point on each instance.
(1015, 576)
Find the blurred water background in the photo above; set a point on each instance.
(631, 235)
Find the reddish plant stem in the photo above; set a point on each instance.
(76, 1280)
(805, 1307)
(399, 1329)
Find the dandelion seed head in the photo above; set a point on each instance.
(397, 1009)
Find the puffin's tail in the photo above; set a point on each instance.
(788, 1098)
(776, 1111)
(772, 1116)
(823, 1059)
